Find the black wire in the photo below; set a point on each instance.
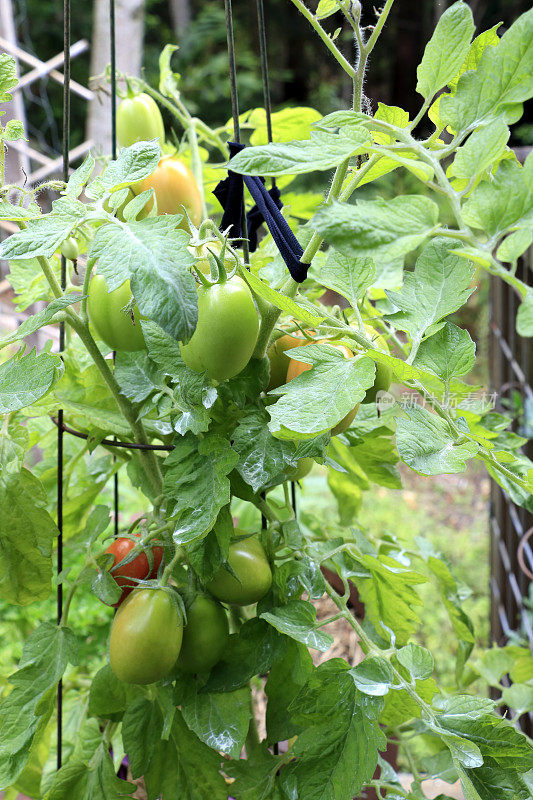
(293, 498)
(113, 59)
(66, 149)
(235, 110)
(264, 70)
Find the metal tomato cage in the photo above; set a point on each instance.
(62, 428)
(511, 560)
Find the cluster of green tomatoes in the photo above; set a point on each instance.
(150, 620)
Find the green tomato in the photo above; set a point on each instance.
(248, 561)
(70, 249)
(227, 329)
(383, 372)
(302, 468)
(146, 637)
(112, 324)
(138, 120)
(205, 635)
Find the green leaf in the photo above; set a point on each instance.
(153, 254)
(319, 398)
(514, 245)
(377, 228)
(336, 752)
(14, 130)
(497, 205)
(24, 379)
(504, 76)
(140, 731)
(8, 76)
(286, 304)
(438, 286)
(196, 484)
(174, 762)
(26, 538)
(427, 444)
(193, 394)
(519, 697)
(249, 652)
(78, 179)
(221, 721)
(297, 619)
(207, 555)
(107, 694)
(446, 50)
(11, 213)
(27, 709)
(417, 661)
(133, 164)
(389, 596)
(44, 235)
(524, 317)
(348, 276)
(286, 677)
(94, 779)
(289, 123)
(482, 150)
(137, 375)
(322, 151)
(254, 775)
(462, 707)
(373, 676)
(40, 319)
(448, 353)
(261, 456)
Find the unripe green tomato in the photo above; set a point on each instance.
(139, 120)
(112, 324)
(383, 372)
(146, 637)
(70, 249)
(205, 635)
(248, 560)
(303, 468)
(227, 329)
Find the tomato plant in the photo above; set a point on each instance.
(117, 325)
(226, 333)
(142, 566)
(139, 119)
(251, 576)
(208, 411)
(146, 637)
(175, 189)
(205, 635)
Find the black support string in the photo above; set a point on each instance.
(66, 149)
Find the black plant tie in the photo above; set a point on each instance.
(229, 193)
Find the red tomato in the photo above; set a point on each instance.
(139, 568)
